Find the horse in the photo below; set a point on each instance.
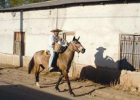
(40, 61)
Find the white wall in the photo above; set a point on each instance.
(98, 26)
(8, 24)
(38, 25)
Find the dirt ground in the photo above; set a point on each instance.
(17, 84)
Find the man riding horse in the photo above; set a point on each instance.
(40, 61)
(54, 38)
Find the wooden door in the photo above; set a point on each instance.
(19, 43)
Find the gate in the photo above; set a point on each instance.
(130, 52)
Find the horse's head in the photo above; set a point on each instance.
(77, 46)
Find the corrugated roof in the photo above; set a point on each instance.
(62, 3)
(49, 4)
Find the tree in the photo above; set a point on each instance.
(35, 1)
(2, 4)
(14, 3)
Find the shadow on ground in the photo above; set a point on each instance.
(90, 92)
(100, 75)
(19, 92)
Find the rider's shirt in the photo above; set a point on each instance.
(52, 38)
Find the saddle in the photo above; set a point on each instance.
(57, 49)
(47, 52)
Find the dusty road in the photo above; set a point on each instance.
(17, 84)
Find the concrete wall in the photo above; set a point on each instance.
(14, 60)
(98, 25)
(8, 24)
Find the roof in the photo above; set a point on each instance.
(56, 4)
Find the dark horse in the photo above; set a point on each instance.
(40, 61)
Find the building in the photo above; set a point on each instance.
(109, 30)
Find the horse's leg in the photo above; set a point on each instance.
(68, 82)
(37, 79)
(40, 69)
(57, 84)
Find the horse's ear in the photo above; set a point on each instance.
(78, 38)
(74, 38)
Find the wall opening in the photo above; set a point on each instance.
(19, 43)
(130, 52)
(68, 36)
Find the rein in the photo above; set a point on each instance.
(73, 46)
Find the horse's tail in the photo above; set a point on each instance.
(31, 65)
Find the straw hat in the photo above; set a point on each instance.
(56, 30)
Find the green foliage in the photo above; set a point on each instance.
(2, 4)
(35, 1)
(14, 3)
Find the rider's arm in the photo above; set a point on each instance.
(59, 39)
(55, 41)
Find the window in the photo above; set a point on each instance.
(19, 43)
(130, 52)
(68, 36)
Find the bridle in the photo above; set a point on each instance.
(73, 47)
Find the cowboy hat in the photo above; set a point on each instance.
(56, 30)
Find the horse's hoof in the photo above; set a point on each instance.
(37, 84)
(72, 94)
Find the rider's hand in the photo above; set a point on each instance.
(60, 39)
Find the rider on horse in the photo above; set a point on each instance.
(54, 38)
